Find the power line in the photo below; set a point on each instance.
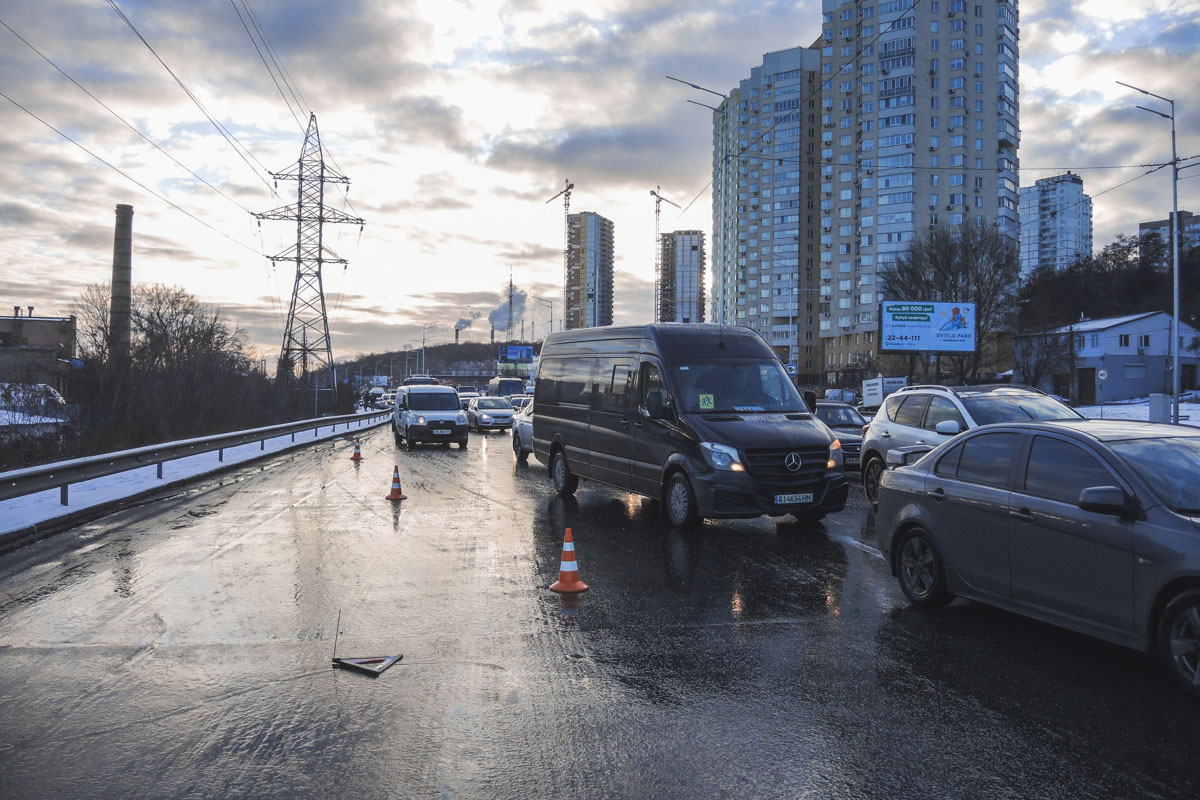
(122, 119)
(127, 175)
(237, 146)
(293, 89)
(264, 61)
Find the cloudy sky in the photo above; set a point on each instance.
(455, 122)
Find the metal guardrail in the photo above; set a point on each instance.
(60, 475)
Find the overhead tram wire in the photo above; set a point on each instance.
(123, 121)
(128, 176)
(232, 140)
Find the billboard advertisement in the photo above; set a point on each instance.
(907, 326)
(521, 353)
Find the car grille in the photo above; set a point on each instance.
(852, 448)
(769, 471)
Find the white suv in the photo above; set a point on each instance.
(928, 415)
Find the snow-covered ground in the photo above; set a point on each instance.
(1189, 409)
(44, 507)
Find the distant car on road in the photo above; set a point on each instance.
(1093, 525)
(928, 415)
(465, 398)
(845, 421)
(519, 401)
(522, 433)
(489, 414)
(428, 414)
(421, 380)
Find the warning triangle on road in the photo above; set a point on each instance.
(373, 665)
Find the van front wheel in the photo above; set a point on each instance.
(681, 502)
(564, 482)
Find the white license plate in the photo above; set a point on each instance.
(441, 432)
(790, 499)
(851, 459)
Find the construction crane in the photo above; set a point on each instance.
(658, 266)
(565, 194)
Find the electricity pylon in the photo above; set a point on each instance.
(306, 344)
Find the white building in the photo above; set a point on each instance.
(919, 127)
(1056, 223)
(764, 190)
(1116, 358)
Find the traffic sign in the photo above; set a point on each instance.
(1102, 375)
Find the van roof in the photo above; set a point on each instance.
(672, 339)
(423, 388)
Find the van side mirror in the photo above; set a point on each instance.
(810, 400)
(654, 404)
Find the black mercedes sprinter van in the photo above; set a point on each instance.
(700, 417)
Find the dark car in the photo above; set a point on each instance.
(845, 421)
(1093, 525)
(701, 417)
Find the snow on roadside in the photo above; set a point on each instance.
(39, 508)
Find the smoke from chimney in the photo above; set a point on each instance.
(500, 319)
(122, 286)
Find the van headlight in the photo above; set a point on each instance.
(462, 418)
(420, 420)
(835, 455)
(721, 456)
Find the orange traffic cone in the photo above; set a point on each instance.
(396, 494)
(568, 572)
(357, 455)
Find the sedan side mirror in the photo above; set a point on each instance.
(948, 427)
(1109, 500)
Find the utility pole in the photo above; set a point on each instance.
(306, 338)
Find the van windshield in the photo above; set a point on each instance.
(742, 385)
(433, 401)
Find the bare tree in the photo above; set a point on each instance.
(971, 264)
(91, 321)
(1039, 354)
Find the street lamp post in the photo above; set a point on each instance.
(724, 162)
(549, 303)
(424, 328)
(1175, 231)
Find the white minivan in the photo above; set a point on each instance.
(428, 414)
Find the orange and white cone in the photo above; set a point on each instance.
(396, 494)
(568, 572)
(357, 455)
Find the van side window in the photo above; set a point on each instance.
(546, 390)
(574, 385)
(620, 384)
(652, 381)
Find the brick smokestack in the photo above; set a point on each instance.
(122, 287)
(456, 335)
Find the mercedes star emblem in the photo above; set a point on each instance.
(793, 461)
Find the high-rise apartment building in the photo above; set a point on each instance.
(681, 285)
(1189, 236)
(588, 287)
(918, 128)
(1056, 223)
(764, 213)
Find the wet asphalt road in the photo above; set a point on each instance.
(182, 649)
